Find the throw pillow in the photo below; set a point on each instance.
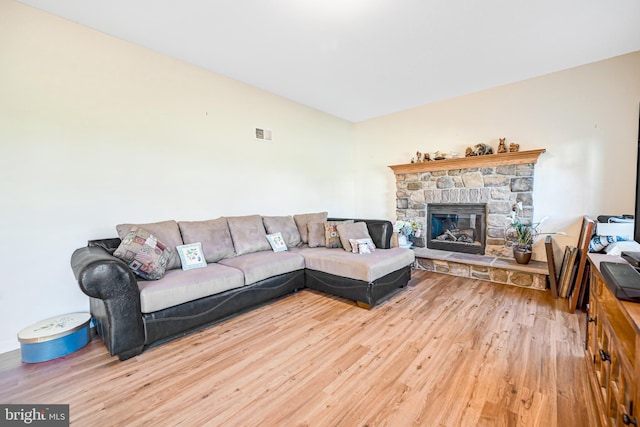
(248, 234)
(284, 225)
(213, 234)
(166, 231)
(144, 253)
(354, 230)
(191, 256)
(277, 242)
(303, 219)
(362, 246)
(331, 234)
(316, 234)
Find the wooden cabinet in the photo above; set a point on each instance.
(612, 350)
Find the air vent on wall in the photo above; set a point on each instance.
(264, 135)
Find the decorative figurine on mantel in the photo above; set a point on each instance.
(502, 146)
(479, 150)
(514, 148)
(438, 156)
(420, 158)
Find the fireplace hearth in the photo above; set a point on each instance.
(457, 227)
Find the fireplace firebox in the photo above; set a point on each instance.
(459, 227)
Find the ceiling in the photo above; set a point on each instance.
(360, 59)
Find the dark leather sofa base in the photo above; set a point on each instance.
(366, 294)
(186, 318)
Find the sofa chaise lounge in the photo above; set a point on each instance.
(241, 271)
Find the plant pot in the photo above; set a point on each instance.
(402, 240)
(521, 255)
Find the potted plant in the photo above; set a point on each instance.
(521, 234)
(406, 230)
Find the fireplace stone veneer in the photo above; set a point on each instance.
(497, 180)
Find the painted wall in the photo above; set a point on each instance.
(586, 118)
(95, 131)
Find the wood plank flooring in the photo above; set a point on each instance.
(446, 351)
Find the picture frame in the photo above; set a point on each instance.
(577, 292)
(277, 242)
(551, 262)
(567, 271)
(191, 256)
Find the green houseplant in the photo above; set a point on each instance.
(520, 234)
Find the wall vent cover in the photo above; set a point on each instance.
(264, 134)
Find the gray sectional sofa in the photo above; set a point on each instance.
(134, 309)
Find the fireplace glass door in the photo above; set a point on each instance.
(456, 227)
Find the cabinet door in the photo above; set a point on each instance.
(592, 345)
(603, 362)
(622, 390)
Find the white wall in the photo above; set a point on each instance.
(586, 118)
(95, 131)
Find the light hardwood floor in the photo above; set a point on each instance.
(446, 351)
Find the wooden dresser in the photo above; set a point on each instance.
(612, 350)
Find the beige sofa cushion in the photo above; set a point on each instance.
(166, 231)
(316, 234)
(180, 286)
(263, 265)
(248, 234)
(367, 267)
(303, 219)
(354, 230)
(213, 234)
(284, 225)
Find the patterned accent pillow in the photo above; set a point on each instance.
(277, 242)
(331, 234)
(144, 253)
(362, 246)
(166, 231)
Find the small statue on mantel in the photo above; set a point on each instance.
(418, 157)
(479, 150)
(427, 157)
(502, 146)
(514, 148)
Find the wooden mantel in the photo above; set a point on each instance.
(517, 158)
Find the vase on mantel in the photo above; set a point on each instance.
(521, 255)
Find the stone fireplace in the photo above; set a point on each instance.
(495, 182)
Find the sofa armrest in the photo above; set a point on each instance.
(115, 299)
(380, 230)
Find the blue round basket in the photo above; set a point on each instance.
(54, 337)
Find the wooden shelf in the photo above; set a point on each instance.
(518, 158)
